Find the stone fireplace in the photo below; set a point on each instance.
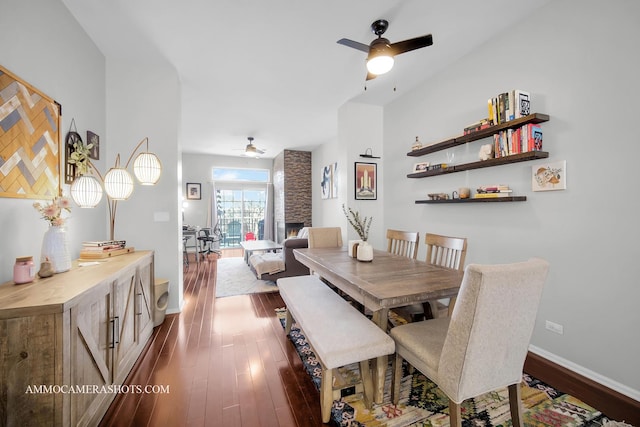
(292, 192)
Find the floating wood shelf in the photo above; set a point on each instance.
(514, 158)
(472, 200)
(484, 133)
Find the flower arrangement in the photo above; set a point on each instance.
(361, 225)
(53, 211)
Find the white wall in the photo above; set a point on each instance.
(579, 60)
(359, 128)
(44, 45)
(144, 101)
(198, 168)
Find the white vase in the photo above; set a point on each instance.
(54, 247)
(365, 252)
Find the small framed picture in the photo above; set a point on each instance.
(366, 181)
(94, 139)
(421, 167)
(549, 177)
(194, 191)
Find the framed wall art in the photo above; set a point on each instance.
(29, 140)
(194, 191)
(549, 176)
(366, 181)
(329, 181)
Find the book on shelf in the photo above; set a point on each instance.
(490, 195)
(103, 246)
(522, 101)
(507, 106)
(493, 189)
(103, 242)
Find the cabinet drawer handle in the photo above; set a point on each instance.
(139, 311)
(113, 333)
(116, 335)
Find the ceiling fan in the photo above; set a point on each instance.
(251, 150)
(381, 52)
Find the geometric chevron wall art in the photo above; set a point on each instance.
(29, 140)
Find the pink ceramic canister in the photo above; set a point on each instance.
(24, 270)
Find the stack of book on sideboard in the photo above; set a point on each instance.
(492, 191)
(103, 249)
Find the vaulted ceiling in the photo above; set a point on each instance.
(273, 70)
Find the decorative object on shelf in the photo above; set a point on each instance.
(94, 141)
(194, 191)
(55, 248)
(366, 181)
(117, 182)
(30, 152)
(54, 243)
(361, 225)
(486, 152)
(421, 167)
(368, 154)
(438, 196)
(46, 269)
(464, 192)
(549, 177)
(23, 270)
(416, 145)
(329, 182)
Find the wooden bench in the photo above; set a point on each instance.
(337, 332)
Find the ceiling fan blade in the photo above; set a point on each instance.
(411, 44)
(356, 45)
(371, 76)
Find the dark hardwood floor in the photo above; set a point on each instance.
(226, 362)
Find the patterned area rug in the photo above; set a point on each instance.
(234, 277)
(422, 404)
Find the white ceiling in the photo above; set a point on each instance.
(273, 69)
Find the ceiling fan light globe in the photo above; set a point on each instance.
(380, 64)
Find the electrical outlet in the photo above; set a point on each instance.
(348, 391)
(554, 327)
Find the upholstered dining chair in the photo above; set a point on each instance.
(403, 243)
(325, 237)
(448, 252)
(483, 345)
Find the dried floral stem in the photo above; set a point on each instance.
(360, 225)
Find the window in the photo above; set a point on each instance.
(240, 203)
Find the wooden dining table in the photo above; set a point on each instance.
(386, 282)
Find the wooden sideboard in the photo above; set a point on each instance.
(68, 341)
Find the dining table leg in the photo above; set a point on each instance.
(380, 364)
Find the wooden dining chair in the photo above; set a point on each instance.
(403, 243)
(325, 237)
(483, 345)
(448, 252)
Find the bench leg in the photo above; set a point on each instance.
(367, 382)
(288, 323)
(326, 394)
(381, 373)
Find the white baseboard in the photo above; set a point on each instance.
(601, 379)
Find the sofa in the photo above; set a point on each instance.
(288, 265)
